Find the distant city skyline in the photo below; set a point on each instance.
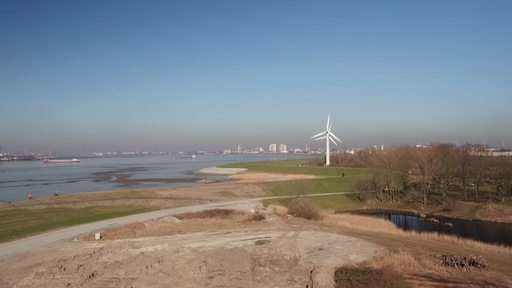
(272, 148)
(211, 75)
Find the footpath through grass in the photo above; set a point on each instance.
(19, 222)
(331, 180)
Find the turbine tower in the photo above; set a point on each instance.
(328, 136)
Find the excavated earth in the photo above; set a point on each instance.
(233, 250)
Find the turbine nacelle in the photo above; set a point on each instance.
(328, 136)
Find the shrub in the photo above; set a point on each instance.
(303, 207)
(355, 277)
(258, 217)
(212, 213)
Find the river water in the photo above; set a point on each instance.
(20, 178)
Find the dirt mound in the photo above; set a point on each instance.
(215, 259)
(222, 252)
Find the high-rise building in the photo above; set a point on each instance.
(272, 148)
(283, 148)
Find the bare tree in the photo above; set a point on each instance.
(463, 162)
(424, 163)
(444, 166)
(477, 173)
(502, 177)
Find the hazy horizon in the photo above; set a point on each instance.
(210, 75)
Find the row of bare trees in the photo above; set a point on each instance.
(437, 172)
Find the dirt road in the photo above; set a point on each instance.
(54, 237)
(231, 252)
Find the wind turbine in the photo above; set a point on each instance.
(328, 136)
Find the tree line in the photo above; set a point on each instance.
(431, 175)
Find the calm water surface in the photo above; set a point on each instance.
(489, 232)
(19, 178)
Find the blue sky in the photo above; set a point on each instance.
(187, 75)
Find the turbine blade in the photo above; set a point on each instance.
(328, 122)
(332, 140)
(319, 134)
(320, 138)
(334, 136)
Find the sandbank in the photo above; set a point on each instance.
(220, 171)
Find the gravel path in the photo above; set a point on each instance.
(54, 237)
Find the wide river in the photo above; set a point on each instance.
(18, 179)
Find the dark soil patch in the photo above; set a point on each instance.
(213, 213)
(365, 277)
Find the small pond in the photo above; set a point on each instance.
(489, 232)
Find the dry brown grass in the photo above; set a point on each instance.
(427, 272)
(417, 264)
(281, 210)
(498, 213)
(304, 208)
(207, 214)
(402, 261)
(367, 277)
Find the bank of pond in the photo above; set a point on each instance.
(488, 232)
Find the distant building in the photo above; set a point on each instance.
(272, 148)
(351, 151)
(492, 152)
(259, 150)
(283, 148)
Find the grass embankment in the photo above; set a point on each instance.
(26, 218)
(21, 222)
(330, 181)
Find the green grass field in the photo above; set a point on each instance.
(334, 202)
(331, 181)
(17, 223)
(471, 212)
(294, 167)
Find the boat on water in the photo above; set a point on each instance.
(60, 161)
(186, 156)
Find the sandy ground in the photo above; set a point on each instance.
(236, 251)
